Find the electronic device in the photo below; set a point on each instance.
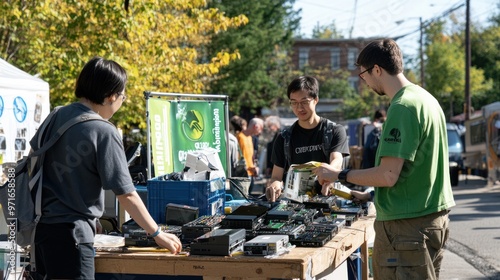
(264, 245)
(292, 230)
(311, 239)
(177, 214)
(242, 221)
(331, 229)
(139, 238)
(219, 242)
(304, 216)
(340, 223)
(273, 225)
(250, 210)
(200, 226)
(246, 216)
(321, 202)
(352, 212)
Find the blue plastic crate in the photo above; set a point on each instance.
(208, 196)
(142, 190)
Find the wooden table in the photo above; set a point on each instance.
(300, 262)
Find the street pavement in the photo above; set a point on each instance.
(472, 250)
(455, 267)
(473, 246)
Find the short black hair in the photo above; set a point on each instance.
(379, 114)
(305, 83)
(100, 78)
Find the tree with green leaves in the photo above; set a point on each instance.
(159, 42)
(256, 79)
(485, 54)
(326, 32)
(445, 69)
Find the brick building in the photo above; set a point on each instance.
(333, 53)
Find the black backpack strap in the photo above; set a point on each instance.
(287, 135)
(50, 142)
(327, 137)
(327, 142)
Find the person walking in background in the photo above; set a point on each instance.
(244, 137)
(306, 137)
(372, 140)
(234, 152)
(238, 162)
(412, 185)
(256, 126)
(86, 160)
(273, 125)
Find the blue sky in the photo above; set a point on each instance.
(372, 18)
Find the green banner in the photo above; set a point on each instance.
(183, 127)
(159, 112)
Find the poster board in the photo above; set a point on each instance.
(24, 104)
(182, 123)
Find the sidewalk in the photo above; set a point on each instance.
(454, 268)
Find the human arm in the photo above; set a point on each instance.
(361, 197)
(384, 175)
(336, 160)
(137, 210)
(273, 189)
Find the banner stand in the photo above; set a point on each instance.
(186, 97)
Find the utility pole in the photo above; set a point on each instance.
(467, 62)
(422, 53)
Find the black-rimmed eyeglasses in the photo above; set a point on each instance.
(304, 103)
(366, 70)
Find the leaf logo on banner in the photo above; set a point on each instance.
(193, 125)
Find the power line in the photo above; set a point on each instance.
(427, 22)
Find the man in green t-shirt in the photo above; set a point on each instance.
(412, 184)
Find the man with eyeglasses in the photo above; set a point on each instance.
(411, 178)
(306, 137)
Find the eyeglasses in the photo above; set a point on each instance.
(303, 103)
(365, 72)
(124, 97)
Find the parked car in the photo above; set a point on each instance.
(455, 150)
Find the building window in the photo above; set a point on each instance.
(354, 83)
(352, 53)
(335, 58)
(303, 57)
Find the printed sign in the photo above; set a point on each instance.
(180, 127)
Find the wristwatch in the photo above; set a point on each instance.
(343, 176)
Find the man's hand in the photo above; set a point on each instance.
(326, 173)
(273, 191)
(326, 188)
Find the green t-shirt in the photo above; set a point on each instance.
(415, 130)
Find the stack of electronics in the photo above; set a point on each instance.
(200, 226)
(136, 236)
(176, 216)
(255, 230)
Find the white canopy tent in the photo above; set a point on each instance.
(24, 104)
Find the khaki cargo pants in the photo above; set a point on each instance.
(410, 248)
